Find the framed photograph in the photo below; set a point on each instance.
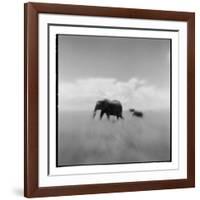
(109, 99)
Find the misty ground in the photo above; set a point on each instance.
(84, 140)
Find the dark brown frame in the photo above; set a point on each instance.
(31, 188)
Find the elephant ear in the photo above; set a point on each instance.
(105, 103)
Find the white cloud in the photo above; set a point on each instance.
(83, 93)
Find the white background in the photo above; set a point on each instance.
(11, 100)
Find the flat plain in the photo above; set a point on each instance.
(83, 140)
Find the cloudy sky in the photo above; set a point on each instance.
(134, 71)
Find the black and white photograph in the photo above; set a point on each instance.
(113, 100)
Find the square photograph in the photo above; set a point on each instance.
(113, 100)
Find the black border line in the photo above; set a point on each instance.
(57, 108)
(170, 76)
(113, 27)
(119, 37)
(57, 88)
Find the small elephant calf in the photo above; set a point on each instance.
(136, 113)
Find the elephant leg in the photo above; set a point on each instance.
(101, 114)
(108, 116)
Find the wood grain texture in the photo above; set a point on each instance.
(31, 101)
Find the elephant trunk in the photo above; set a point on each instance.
(95, 110)
(94, 114)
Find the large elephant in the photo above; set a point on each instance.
(109, 108)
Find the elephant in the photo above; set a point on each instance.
(136, 113)
(109, 107)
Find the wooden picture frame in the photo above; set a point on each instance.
(32, 187)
